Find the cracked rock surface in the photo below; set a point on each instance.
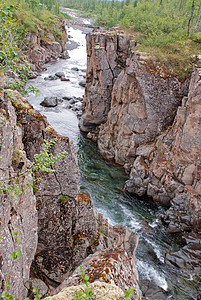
(106, 56)
(111, 266)
(17, 213)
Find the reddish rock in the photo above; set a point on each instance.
(106, 55)
(42, 50)
(110, 266)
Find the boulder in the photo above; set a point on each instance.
(32, 75)
(60, 74)
(49, 102)
(65, 55)
(82, 83)
(51, 77)
(63, 78)
(75, 69)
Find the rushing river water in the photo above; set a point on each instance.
(104, 181)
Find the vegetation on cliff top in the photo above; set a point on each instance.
(170, 30)
(16, 19)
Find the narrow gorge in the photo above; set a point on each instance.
(149, 122)
(135, 208)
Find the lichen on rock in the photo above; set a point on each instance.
(101, 291)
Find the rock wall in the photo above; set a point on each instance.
(65, 217)
(66, 225)
(42, 49)
(143, 104)
(173, 169)
(18, 212)
(106, 56)
(144, 124)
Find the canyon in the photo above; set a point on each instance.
(145, 120)
(49, 225)
(142, 119)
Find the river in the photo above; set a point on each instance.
(104, 181)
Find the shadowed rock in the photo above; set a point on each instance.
(60, 74)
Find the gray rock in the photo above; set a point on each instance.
(37, 283)
(60, 74)
(63, 78)
(82, 83)
(17, 214)
(49, 102)
(65, 55)
(73, 100)
(75, 69)
(32, 75)
(51, 77)
(67, 98)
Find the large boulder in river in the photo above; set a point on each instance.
(60, 74)
(49, 102)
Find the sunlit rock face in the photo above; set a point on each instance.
(101, 291)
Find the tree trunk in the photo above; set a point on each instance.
(198, 16)
(189, 21)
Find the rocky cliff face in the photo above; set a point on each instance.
(58, 210)
(66, 225)
(143, 104)
(106, 56)
(44, 49)
(146, 127)
(172, 164)
(18, 212)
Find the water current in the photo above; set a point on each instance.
(104, 181)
